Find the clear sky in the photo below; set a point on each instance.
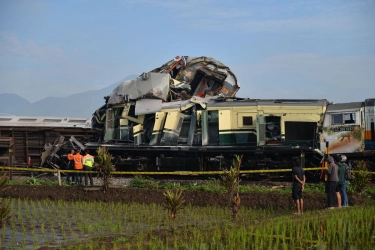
(277, 49)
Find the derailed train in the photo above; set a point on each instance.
(184, 116)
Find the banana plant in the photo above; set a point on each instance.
(173, 201)
(104, 166)
(230, 180)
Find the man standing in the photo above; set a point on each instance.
(333, 179)
(298, 185)
(88, 163)
(70, 158)
(338, 186)
(343, 182)
(78, 165)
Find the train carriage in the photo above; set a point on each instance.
(26, 136)
(349, 129)
(205, 133)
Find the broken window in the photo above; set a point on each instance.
(349, 118)
(343, 118)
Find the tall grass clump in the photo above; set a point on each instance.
(230, 180)
(4, 207)
(104, 166)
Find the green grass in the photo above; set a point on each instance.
(111, 225)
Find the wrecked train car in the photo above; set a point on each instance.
(184, 116)
(24, 138)
(205, 134)
(177, 81)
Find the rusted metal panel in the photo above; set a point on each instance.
(6, 142)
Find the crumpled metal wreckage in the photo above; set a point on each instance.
(180, 79)
(179, 84)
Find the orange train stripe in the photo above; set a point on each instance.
(367, 134)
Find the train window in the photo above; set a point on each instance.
(336, 119)
(52, 120)
(347, 118)
(77, 121)
(247, 120)
(27, 120)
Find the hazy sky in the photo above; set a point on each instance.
(277, 49)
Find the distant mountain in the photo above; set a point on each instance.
(81, 104)
(12, 104)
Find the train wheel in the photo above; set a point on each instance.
(140, 167)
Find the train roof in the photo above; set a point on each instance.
(149, 106)
(271, 102)
(44, 121)
(344, 106)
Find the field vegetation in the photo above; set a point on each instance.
(108, 225)
(155, 214)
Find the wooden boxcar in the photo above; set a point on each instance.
(22, 138)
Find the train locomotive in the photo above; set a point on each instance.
(185, 116)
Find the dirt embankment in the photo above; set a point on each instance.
(275, 199)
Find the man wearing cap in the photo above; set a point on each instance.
(333, 179)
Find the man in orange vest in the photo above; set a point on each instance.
(71, 167)
(78, 165)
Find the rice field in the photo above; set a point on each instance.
(108, 225)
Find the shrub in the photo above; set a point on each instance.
(360, 177)
(33, 181)
(142, 182)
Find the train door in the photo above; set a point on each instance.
(268, 130)
(172, 128)
(210, 127)
(160, 118)
(273, 130)
(110, 130)
(261, 130)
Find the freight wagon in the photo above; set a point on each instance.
(23, 138)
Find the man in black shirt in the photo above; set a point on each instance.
(298, 185)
